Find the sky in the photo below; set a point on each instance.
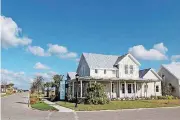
(42, 37)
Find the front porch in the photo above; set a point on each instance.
(116, 88)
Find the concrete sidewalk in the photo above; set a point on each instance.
(60, 108)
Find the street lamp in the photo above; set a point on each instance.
(77, 79)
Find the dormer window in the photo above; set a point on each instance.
(96, 71)
(104, 71)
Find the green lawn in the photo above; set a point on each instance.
(3, 95)
(114, 105)
(43, 106)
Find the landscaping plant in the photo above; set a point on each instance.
(96, 94)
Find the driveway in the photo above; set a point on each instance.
(15, 107)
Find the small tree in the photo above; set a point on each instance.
(96, 94)
(4, 84)
(167, 89)
(57, 79)
(47, 85)
(38, 84)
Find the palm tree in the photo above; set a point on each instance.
(57, 79)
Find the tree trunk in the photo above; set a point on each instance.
(57, 93)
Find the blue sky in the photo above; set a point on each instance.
(72, 27)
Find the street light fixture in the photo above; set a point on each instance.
(77, 80)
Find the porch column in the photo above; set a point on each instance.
(134, 89)
(141, 89)
(119, 89)
(72, 89)
(110, 89)
(81, 88)
(146, 89)
(125, 88)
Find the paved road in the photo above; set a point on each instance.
(14, 107)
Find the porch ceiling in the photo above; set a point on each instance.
(115, 79)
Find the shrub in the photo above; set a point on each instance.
(34, 99)
(96, 94)
(170, 97)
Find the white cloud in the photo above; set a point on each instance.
(156, 53)
(11, 34)
(41, 66)
(175, 57)
(160, 47)
(69, 55)
(48, 76)
(56, 49)
(36, 50)
(19, 79)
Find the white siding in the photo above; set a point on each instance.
(100, 73)
(169, 78)
(128, 61)
(151, 88)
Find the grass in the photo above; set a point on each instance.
(43, 106)
(115, 105)
(3, 95)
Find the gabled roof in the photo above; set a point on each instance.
(129, 55)
(173, 68)
(142, 73)
(100, 61)
(119, 59)
(71, 75)
(105, 61)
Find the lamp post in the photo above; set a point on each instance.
(77, 80)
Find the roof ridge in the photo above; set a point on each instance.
(101, 54)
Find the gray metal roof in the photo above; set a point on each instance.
(119, 59)
(100, 61)
(143, 72)
(173, 68)
(71, 75)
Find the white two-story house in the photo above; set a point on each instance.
(120, 76)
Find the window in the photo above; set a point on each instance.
(123, 88)
(104, 71)
(96, 71)
(126, 69)
(129, 88)
(113, 71)
(157, 88)
(83, 70)
(131, 69)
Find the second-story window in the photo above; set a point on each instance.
(131, 69)
(96, 71)
(126, 69)
(104, 71)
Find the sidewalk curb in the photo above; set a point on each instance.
(58, 107)
(131, 109)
